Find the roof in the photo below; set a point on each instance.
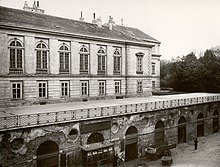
(35, 21)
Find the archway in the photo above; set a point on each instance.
(159, 134)
(48, 154)
(95, 138)
(131, 143)
(200, 125)
(215, 121)
(182, 130)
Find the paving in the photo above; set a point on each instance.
(35, 109)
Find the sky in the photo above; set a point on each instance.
(182, 26)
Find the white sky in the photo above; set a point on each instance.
(182, 26)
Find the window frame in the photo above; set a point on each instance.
(16, 48)
(87, 88)
(84, 55)
(153, 68)
(139, 87)
(66, 61)
(102, 88)
(139, 63)
(68, 89)
(117, 59)
(119, 86)
(42, 50)
(21, 90)
(101, 61)
(46, 89)
(153, 84)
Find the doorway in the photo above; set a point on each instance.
(200, 125)
(182, 130)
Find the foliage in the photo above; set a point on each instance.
(191, 74)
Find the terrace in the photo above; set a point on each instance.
(39, 115)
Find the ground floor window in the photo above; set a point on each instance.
(16, 90)
(102, 88)
(84, 88)
(139, 87)
(64, 88)
(42, 89)
(117, 87)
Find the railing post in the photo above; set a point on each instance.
(88, 113)
(56, 117)
(17, 121)
(38, 118)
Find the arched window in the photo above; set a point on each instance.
(117, 62)
(101, 61)
(42, 57)
(64, 53)
(84, 60)
(16, 56)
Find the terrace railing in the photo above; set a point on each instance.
(49, 118)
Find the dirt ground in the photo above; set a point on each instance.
(184, 155)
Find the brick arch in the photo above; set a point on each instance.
(131, 143)
(48, 154)
(159, 133)
(215, 121)
(200, 124)
(95, 137)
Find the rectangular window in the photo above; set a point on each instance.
(139, 64)
(153, 84)
(139, 87)
(101, 64)
(84, 88)
(64, 62)
(117, 65)
(117, 87)
(84, 63)
(101, 87)
(16, 90)
(42, 89)
(153, 68)
(64, 88)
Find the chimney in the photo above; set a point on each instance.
(94, 21)
(122, 21)
(99, 22)
(38, 4)
(111, 23)
(81, 17)
(25, 6)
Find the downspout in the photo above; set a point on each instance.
(126, 70)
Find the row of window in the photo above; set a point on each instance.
(42, 51)
(16, 88)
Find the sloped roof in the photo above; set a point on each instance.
(30, 20)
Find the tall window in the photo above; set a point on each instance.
(101, 87)
(84, 88)
(64, 88)
(117, 62)
(16, 90)
(117, 87)
(42, 89)
(101, 61)
(153, 68)
(139, 62)
(153, 84)
(139, 87)
(64, 53)
(84, 60)
(16, 57)
(42, 57)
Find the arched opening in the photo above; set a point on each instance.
(182, 130)
(215, 121)
(200, 125)
(48, 154)
(131, 143)
(95, 138)
(159, 134)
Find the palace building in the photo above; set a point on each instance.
(48, 59)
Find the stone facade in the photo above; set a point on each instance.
(20, 147)
(135, 75)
